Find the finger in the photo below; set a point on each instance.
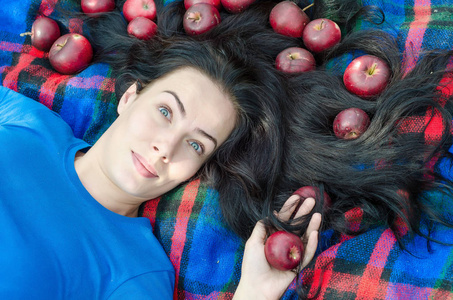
(258, 233)
(287, 209)
(310, 248)
(314, 225)
(307, 205)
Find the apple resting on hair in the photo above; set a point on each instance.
(200, 18)
(142, 28)
(139, 8)
(321, 34)
(288, 18)
(295, 60)
(44, 32)
(216, 3)
(97, 6)
(366, 76)
(284, 250)
(309, 191)
(236, 6)
(71, 53)
(350, 123)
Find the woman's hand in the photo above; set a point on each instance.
(261, 281)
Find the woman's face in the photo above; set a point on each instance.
(164, 134)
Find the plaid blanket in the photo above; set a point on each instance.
(204, 251)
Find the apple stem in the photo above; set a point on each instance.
(307, 7)
(372, 69)
(293, 56)
(25, 33)
(320, 26)
(194, 16)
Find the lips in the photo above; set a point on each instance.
(142, 167)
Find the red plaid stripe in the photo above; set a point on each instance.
(47, 7)
(371, 285)
(179, 235)
(12, 74)
(150, 209)
(422, 14)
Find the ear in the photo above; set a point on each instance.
(128, 97)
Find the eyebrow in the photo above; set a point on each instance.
(183, 113)
(178, 101)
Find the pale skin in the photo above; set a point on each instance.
(259, 280)
(162, 137)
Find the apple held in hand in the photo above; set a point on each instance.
(236, 6)
(295, 60)
(142, 28)
(97, 6)
(350, 123)
(139, 8)
(200, 18)
(71, 53)
(288, 18)
(366, 76)
(216, 3)
(321, 34)
(44, 32)
(284, 250)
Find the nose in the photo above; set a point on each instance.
(164, 151)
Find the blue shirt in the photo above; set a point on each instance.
(56, 241)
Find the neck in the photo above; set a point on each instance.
(103, 190)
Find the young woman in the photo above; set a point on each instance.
(188, 108)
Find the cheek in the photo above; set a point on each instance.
(141, 124)
(185, 169)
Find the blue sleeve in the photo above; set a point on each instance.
(149, 286)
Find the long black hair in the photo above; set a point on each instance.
(244, 169)
(386, 171)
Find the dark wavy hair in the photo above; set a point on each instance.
(385, 172)
(244, 169)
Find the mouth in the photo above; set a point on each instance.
(142, 167)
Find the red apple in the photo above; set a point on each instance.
(44, 32)
(236, 6)
(142, 28)
(366, 76)
(139, 8)
(284, 250)
(321, 34)
(97, 6)
(288, 19)
(200, 18)
(295, 60)
(309, 191)
(216, 3)
(71, 53)
(350, 123)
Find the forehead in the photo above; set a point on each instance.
(179, 79)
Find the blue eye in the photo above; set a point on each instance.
(197, 147)
(165, 112)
